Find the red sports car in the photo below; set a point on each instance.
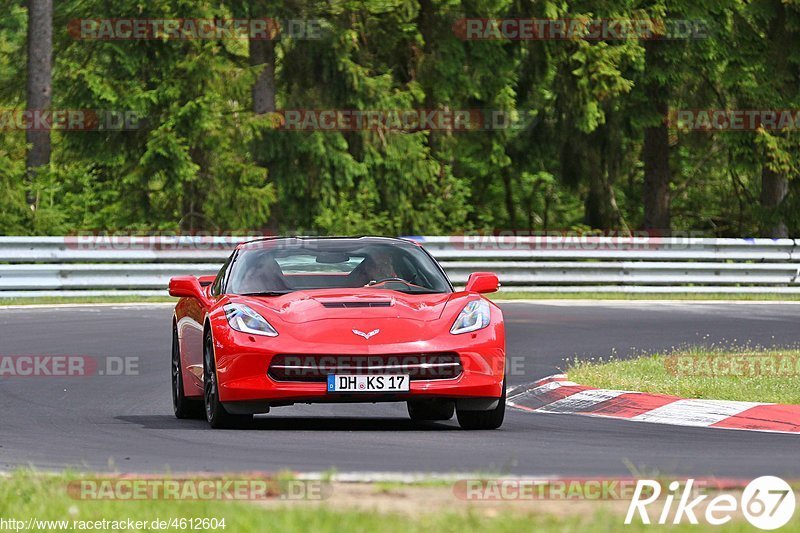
(306, 320)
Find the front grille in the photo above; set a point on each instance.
(315, 368)
(354, 305)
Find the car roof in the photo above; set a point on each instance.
(360, 239)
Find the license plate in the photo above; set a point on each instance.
(372, 383)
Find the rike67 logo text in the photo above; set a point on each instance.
(767, 502)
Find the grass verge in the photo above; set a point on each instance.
(505, 295)
(715, 373)
(85, 300)
(25, 496)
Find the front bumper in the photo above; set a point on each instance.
(243, 363)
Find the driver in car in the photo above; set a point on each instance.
(378, 266)
(265, 275)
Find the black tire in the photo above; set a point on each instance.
(182, 406)
(491, 419)
(216, 415)
(430, 410)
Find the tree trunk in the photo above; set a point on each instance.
(655, 152)
(600, 207)
(262, 58)
(39, 85)
(511, 208)
(655, 194)
(262, 54)
(774, 188)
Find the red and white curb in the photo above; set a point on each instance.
(557, 395)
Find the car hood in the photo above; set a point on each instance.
(353, 304)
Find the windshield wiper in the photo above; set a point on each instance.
(420, 292)
(265, 293)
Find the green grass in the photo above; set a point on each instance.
(25, 495)
(701, 373)
(504, 295)
(85, 300)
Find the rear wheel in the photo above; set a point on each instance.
(428, 410)
(182, 406)
(491, 419)
(216, 414)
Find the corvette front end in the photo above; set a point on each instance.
(338, 321)
(279, 371)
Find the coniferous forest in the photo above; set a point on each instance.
(590, 146)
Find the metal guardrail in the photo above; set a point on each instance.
(97, 266)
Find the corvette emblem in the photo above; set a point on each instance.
(367, 335)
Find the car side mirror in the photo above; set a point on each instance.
(186, 287)
(482, 282)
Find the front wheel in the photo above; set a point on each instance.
(182, 406)
(491, 419)
(216, 414)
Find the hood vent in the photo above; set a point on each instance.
(354, 305)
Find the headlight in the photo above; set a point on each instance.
(242, 318)
(473, 317)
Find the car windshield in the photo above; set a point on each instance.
(278, 267)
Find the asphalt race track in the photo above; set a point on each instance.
(125, 423)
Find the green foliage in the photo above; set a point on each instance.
(199, 159)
